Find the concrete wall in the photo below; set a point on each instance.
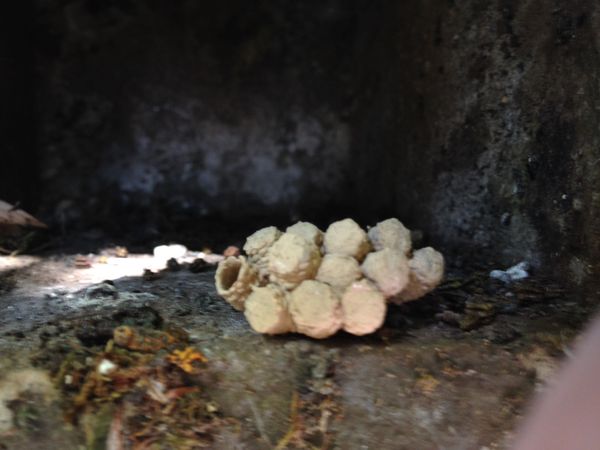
(19, 165)
(200, 108)
(479, 124)
(475, 121)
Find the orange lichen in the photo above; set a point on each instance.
(185, 358)
(427, 384)
(132, 339)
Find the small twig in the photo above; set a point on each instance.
(284, 441)
(259, 422)
(114, 440)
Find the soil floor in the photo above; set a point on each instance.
(454, 370)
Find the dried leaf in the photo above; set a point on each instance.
(175, 393)
(12, 216)
(156, 391)
(184, 359)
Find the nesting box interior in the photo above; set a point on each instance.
(129, 125)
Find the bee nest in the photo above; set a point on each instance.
(316, 283)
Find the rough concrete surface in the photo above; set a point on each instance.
(420, 383)
(480, 126)
(213, 108)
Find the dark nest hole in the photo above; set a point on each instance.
(229, 273)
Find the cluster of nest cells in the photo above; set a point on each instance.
(316, 283)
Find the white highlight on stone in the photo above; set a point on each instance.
(106, 366)
(517, 272)
(166, 252)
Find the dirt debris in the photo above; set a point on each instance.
(313, 408)
(147, 383)
(431, 376)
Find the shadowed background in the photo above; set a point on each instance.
(475, 122)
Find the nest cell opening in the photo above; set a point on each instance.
(230, 273)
